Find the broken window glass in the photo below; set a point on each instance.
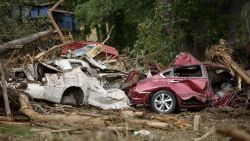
(188, 71)
(167, 74)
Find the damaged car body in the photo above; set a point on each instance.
(73, 82)
(187, 84)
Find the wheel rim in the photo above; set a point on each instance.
(163, 102)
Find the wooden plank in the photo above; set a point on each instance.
(95, 51)
(50, 16)
(197, 122)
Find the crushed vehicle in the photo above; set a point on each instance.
(73, 82)
(106, 50)
(78, 79)
(97, 54)
(188, 83)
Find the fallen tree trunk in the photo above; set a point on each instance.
(5, 118)
(152, 124)
(27, 109)
(236, 134)
(12, 44)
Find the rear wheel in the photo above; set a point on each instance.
(72, 96)
(163, 102)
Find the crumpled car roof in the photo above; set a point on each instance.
(184, 59)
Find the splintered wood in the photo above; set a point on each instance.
(197, 122)
(44, 53)
(27, 109)
(95, 51)
(153, 124)
(223, 53)
(163, 122)
(50, 16)
(211, 131)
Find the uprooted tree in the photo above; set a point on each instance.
(223, 53)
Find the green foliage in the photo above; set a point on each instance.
(201, 21)
(152, 37)
(98, 11)
(11, 26)
(155, 27)
(160, 28)
(243, 32)
(124, 14)
(95, 11)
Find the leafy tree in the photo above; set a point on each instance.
(13, 27)
(123, 14)
(153, 39)
(200, 22)
(160, 28)
(154, 25)
(11, 23)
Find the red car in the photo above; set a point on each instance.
(187, 84)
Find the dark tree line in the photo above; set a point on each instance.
(147, 26)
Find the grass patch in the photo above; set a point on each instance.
(19, 131)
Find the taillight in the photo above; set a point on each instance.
(134, 85)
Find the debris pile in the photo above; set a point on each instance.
(81, 77)
(75, 72)
(80, 74)
(237, 96)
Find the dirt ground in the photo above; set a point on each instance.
(217, 117)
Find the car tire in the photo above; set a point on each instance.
(72, 97)
(163, 102)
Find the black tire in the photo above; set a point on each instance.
(163, 102)
(72, 96)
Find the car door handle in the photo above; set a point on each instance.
(174, 81)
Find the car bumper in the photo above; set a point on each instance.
(137, 97)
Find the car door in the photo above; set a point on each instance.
(190, 81)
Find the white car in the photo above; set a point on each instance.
(72, 81)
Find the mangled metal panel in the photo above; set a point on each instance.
(93, 91)
(185, 59)
(50, 67)
(89, 50)
(69, 64)
(96, 63)
(112, 99)
(188, 88)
